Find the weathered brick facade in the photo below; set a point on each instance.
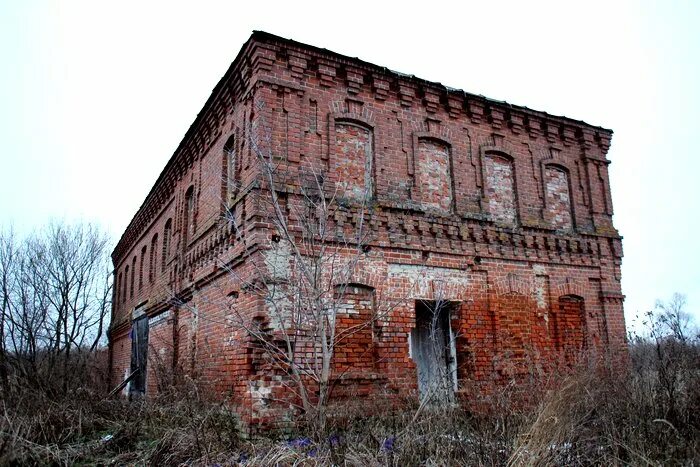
(507, 209)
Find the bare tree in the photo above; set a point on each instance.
(303, 277)
(674, 319)
(667, 351)
(56, 293)
(299, 302)
(311, 242)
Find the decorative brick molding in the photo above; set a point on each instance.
(501, 211)
(513, 284)
(569, 287)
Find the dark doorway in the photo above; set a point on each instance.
(433, 350)
(139, 356)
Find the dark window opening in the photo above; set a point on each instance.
(167, 234)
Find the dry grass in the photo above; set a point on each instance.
(588, 416)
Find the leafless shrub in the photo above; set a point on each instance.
(55, 293)
(588, 415)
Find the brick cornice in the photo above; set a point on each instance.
(334, 69)
(201, 135)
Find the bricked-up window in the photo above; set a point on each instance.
(558, 212)
(353, 160)
(143, 260)
(354, 348)
(500, 188)
(133, 277)
(570, 324)
(434, 175)
(167, 235)
(188, 217)
(126, 282)
(152, 259)
(230, 164)
(517, 337)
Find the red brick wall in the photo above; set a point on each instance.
(505, 210)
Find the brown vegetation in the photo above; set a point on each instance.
(593, 416)
(55, 409)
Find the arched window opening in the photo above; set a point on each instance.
(133, 277)
(500, 191)
(141, 264)
(188, 217)
(118, 295)
(167, 235)
(152, 259)
(354, 161)
(558, 198)
(126, 282)
(230, 165)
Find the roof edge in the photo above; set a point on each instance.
(266, 36)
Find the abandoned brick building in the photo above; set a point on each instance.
(499, 211)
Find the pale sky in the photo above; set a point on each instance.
(95, 96)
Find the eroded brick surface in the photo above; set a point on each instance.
(500, 189)
(558, 198)
(570, 336)
(353, 162)
(434, 175)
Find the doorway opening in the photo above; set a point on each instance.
(434, 351)
(139, 356)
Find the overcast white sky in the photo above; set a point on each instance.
(96, 95)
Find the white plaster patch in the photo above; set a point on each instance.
(540, 292)
(278, 260)
(259, 393)
(279, 308)
(160, 319)
(431, 283)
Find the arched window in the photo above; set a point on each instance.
(499, 185)
(558, 198)
(434, 175)
(354, 160)
(188, 216)
(230, 166)
(126, 282)
(133, 277)
(143, 260)
(152, 259)
(118, 295)
(167, 235)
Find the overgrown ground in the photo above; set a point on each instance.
(589, 416)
